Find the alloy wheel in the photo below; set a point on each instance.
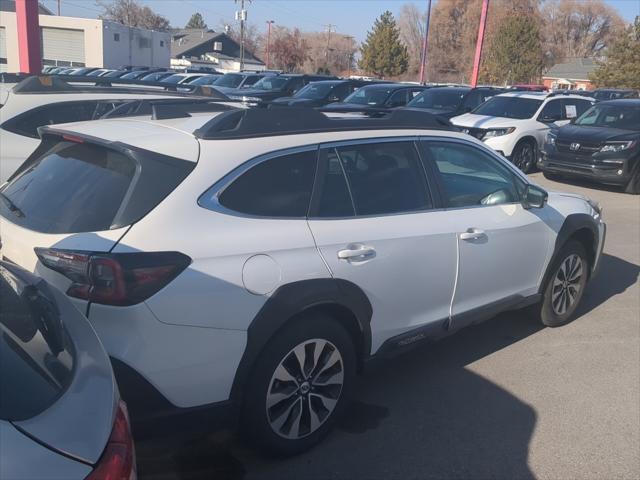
(566, 284)
(524, 157)
(304, 389)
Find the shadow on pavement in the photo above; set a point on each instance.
(419, 415)
(614, 277)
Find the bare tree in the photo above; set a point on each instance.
(576, 29)
(412, 29)
(253, 38)
(333, 55)
(289, 49)
(132, 14)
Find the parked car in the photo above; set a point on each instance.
(299, 248)
(209, 79)
(242, 80)
(527, 87)
(318, 94)
(449, 102)
(83, 71)
(271, 87)
(613, 93)
(139, 74)
(603, 145)
(36, 102)
(155, 76)
(99, 72)
(181, 78)
(515, 124)
(60, 411)
(377, 97)
(115, 73)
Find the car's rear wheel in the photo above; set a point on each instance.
(565, 286)
(524, 156)
(299, 386)
(633, 185)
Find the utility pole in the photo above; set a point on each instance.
(479, 42)
(328, 28)
(350, 54)
(58, 7)
(269, 23)
(242, 16)
(423, 59)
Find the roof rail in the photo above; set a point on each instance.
(67, 84)
(256, 123)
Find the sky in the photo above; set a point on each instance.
(347, 17)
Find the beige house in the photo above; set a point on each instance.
(70, 41)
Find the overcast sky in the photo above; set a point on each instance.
(349, 17)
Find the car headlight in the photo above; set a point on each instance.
(551, 139)
(497, 132)
(614, 147)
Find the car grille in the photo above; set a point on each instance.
(578, 148)
(474, 132)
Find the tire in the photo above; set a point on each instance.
(633, 185)
(551, 176)
(284, 415)
(524, 156)
(563, 294)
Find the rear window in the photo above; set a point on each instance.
(83, 187)
(36, 354)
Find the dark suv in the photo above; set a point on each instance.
(602, 94)
(602, 144)
(274, 86)
(377, 97)
(450, 102)
(318, 94)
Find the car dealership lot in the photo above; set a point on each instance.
(505, 399)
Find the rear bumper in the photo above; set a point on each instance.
(613, 174)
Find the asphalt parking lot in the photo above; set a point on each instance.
(507, 399)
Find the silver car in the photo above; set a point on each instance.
(60, 411)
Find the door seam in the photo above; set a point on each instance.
(318, 250)
(455, 283)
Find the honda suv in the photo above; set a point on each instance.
(252, 261)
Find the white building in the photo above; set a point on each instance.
(70, 41)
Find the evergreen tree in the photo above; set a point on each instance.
(514, 54)
(196, 21)
(621, 67)
(383, 54)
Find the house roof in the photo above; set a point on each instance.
(10, 6)
(577, 69)
(185, 40)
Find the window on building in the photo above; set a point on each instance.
(144, 42)
(162, 43)
(116, 37)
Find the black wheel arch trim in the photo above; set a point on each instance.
(572, 224)
(291, 300)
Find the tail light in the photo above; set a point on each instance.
(114, 278)
(118, 461)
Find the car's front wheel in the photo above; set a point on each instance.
(565, 286)
(524, 156)
(299, 386)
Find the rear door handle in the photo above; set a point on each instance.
(357, 252)
(473, 234)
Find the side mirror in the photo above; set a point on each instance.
(549, 119)
(334, 98)
(534, 197)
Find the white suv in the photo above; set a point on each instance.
(516, 124)
(254, 260)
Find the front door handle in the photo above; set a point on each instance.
(357, 252)
(473, 234)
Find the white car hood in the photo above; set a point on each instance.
(483, 121)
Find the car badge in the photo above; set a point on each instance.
(574, 147)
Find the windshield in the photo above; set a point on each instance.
(231, 80)
(612, 116)
(315, 91)
(438, 99)
(36, 353)
(369, 96)
(172, 78)
(509, 107)
(271, 83)
(207, 80)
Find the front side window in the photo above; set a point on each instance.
(384, 178)
(278, 187)
(552, 111)
(471, 177)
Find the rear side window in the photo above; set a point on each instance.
(36, 354)
(385, 178)
(278, 187)
(27, 123)
(73, 187)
